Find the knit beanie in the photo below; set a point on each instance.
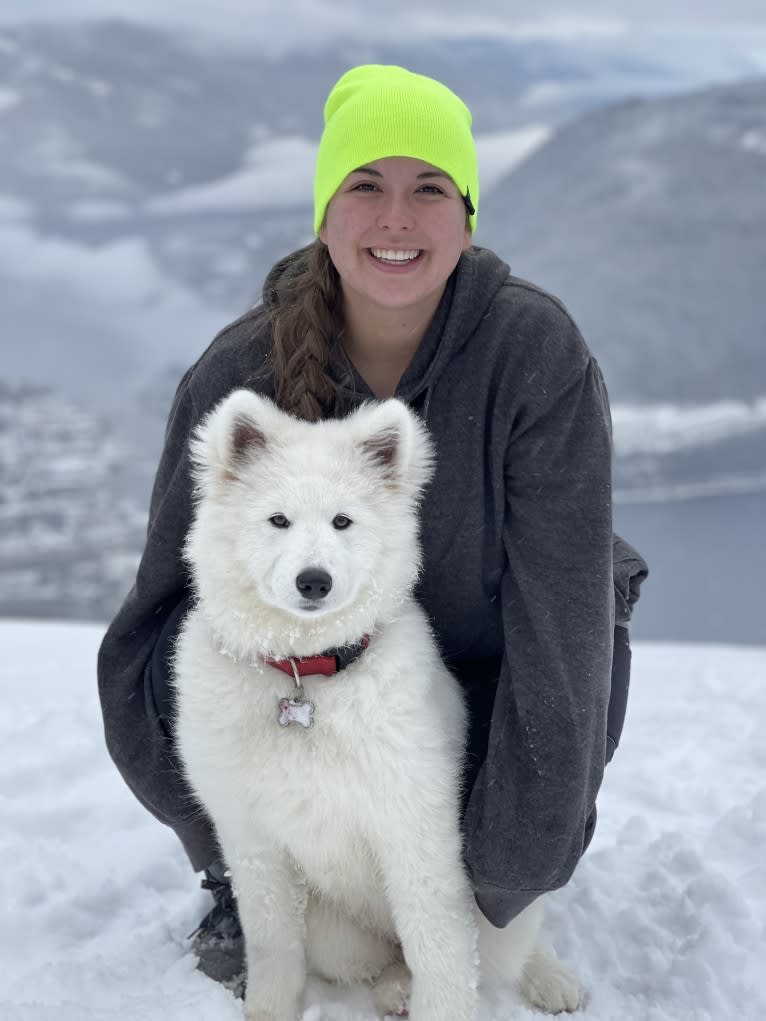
(379, 110)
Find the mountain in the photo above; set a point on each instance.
(649, 219)
(148, 184)
(146, 188)
(71, 528)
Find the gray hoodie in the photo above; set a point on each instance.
(517, 580)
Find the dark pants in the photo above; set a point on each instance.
(618, 697)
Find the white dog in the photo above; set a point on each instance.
(335, 796)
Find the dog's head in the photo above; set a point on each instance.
(306, 529)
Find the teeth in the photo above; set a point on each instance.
(391, 256)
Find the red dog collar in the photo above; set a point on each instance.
(326, 663)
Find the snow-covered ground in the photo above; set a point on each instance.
(665, 918)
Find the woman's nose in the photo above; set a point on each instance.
(395, 214)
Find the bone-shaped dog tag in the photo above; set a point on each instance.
(296, 710)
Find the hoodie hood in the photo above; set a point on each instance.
(469, 293)
(280, 275)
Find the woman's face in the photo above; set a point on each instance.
(395, 230)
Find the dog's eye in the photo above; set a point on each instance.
(340, 521)
(279, 521)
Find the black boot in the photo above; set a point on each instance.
(218, 940)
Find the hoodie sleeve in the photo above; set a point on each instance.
(526, 821)
(135, 736)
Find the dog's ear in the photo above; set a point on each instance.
(396, 443)
(235, 432)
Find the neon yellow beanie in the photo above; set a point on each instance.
(379, 110)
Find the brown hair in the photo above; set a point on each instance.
(306, 324)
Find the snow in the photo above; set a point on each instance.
(722, 484)
(529, 15)
(124, 268)
(277, 171)
(302, 22)
(663, 919)
(499, 152)
(662, 428)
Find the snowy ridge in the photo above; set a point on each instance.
(69, 541)
(138, 170)
(663, 918)
(723, 37)
(133, 226)
(686, 451)
(263, 183)
(615, 214)
(661, 428)
(664, 492)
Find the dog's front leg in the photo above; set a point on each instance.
(432, 906)
(272, 904)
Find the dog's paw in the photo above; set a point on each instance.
(256, 1013)
(391, 990)
(547, 985)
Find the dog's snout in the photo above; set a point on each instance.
(313, 583)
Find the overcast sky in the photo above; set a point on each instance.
(279, 22)
(633, 11)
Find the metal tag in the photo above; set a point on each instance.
(296, 710)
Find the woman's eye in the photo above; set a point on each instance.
(340, 521)
(364, 186)
(279, 521)
(432, 189)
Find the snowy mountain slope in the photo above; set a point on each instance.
(667, 451)
(147, 184)
(663, 918)
(703, 38)
(133, 112)
(70, 529)
(76, 497)
(649, 218)
(146, 188)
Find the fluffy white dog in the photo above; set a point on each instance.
(335, 795)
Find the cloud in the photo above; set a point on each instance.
(280, 24)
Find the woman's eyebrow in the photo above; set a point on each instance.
(376, 173)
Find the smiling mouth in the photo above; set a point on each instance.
(395, 257)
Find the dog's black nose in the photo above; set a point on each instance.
(314, 583)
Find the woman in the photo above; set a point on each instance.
(392, 298)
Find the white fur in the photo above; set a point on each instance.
(343, 839)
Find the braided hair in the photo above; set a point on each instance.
(306, 324)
